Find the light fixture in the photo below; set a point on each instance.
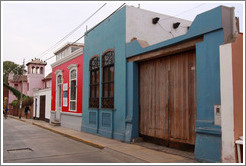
(176, 25)
(155, 20)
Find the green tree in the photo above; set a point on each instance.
(9, 66)
(26, 100)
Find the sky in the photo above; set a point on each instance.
(30, 28)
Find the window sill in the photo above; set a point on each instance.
(72, 114)
(107, 109)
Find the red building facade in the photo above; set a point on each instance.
(67, 83)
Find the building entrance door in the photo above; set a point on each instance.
(167, 96)
(42, 108)
(58, 97)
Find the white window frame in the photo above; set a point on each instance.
(71, 68)
(59, 73)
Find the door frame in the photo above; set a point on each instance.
(58, 109)
(168, 142)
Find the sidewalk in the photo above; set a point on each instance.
(139, 152)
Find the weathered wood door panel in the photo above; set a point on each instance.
(42, 108)
(161, 98)
(168, 98)
(182, 98)
(148, 103)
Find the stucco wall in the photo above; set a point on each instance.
(11, 95)
(35, 79)
(48, 83)
(227, 118)
(109, 34)
(209, 26)
(139, 24)
(72, 121)
(237, 72)
(65, 77)
(231, 69)
(36, 95)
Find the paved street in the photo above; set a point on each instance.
(26, 143)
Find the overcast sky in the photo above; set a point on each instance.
(30, 28)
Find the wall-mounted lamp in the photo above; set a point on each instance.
(155, 20)
(176, 25)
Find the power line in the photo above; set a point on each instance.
(166, 30)
(93, 27)
(182, 12)
(101, 22)
(69, 34)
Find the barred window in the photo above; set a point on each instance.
(73, 90)
(59, 91)
(94, 82)
(108, 80)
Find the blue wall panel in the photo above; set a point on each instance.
(110, 34)
(132, 118)
(207, 147)
(208, 95)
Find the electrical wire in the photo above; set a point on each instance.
(69, 34)
(166, 30)
(182, 12)
(93, 27)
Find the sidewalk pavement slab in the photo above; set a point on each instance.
(137, 151)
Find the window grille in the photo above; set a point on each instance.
(73, 89)
(94, 82)
(108, 80)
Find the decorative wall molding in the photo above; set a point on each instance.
(73, 55)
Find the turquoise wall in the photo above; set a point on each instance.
(208, 25)
(122, 122)
(132, 118)
(208, 135)
(110, 34)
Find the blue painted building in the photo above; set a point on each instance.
(116, 49)
(105, 107)
(215, 27)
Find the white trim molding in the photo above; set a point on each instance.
(72, 66)
(227, 116)
(58, 72)
(73, 55)
(72, 114)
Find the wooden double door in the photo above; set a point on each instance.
(167, 90)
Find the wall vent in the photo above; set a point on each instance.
(106, 119)
(92, 118)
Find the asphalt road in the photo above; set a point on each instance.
(26, 143)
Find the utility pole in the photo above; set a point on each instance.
(20, 111)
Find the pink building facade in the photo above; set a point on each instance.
(35, 75)
(31, 81)
(15, 82)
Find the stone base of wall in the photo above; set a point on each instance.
(52, 116)
(69, 120)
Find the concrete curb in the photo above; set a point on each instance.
(71, 136)
(61, 133)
